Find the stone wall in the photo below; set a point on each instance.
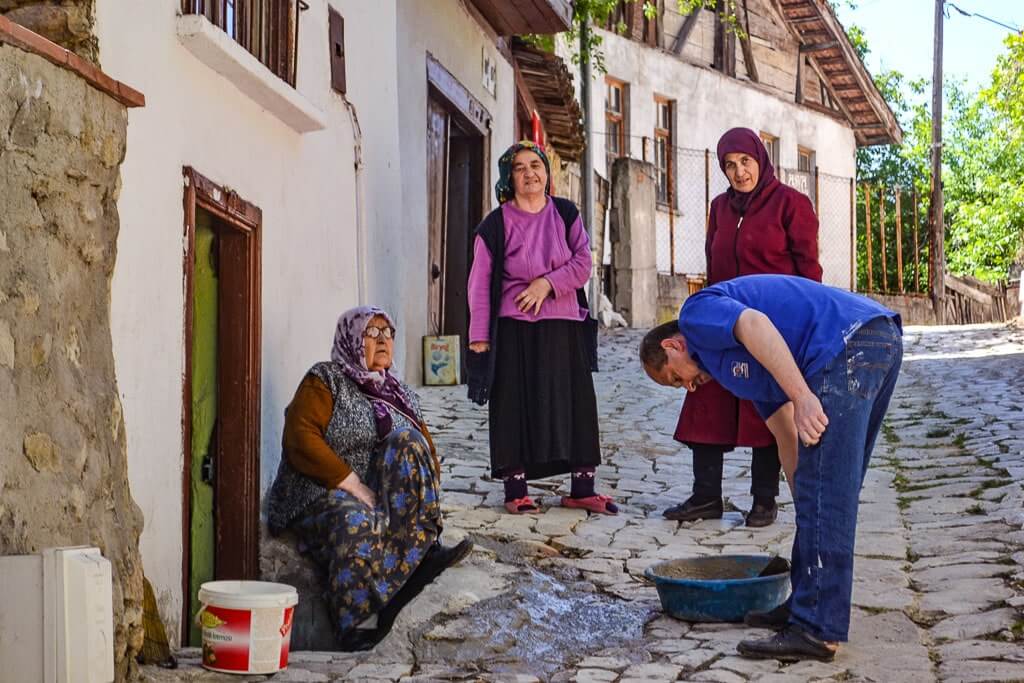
(68, 23)
(63, 466)
(914, 310)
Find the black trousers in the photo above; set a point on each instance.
(707, 472)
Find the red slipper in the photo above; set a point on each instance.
(603, 505)
(521, 506)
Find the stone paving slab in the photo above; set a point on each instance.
(940, 551)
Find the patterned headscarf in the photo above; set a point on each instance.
(748, 142)
(503, 189)
(380, 386)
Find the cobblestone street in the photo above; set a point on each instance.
(939, 578)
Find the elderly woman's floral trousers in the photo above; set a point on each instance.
(369, 554)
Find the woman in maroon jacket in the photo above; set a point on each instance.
(757, 226)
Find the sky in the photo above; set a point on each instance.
(900, 35)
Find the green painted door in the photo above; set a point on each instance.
(204, 412)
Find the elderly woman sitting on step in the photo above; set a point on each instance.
(359, 481)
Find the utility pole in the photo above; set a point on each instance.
(938, 255)
(587, 181)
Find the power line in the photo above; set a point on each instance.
(982, 16)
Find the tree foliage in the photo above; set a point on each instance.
(983, 171)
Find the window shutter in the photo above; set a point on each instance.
(337, 36)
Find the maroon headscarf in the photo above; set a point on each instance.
(746, 141)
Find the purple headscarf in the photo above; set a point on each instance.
(380, 387)
(747, 142)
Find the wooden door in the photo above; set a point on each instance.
(438, 130)
(221, 393)
(203, 423)
(465, 186)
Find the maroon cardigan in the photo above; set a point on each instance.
(779, 234)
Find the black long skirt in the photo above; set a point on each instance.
(543, 411)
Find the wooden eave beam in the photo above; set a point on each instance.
(819, 47)
(878, 103)
(748, 49)
(684, 31)
(809, 19)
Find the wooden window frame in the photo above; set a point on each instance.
(620, 117)
(267, 29)
(239, 552)
(771, 143)
(807, 152)
(668, 136)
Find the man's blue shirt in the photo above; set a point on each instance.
(814, 320)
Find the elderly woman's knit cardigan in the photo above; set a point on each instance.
(351, 434)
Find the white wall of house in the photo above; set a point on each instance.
(707, 104)
(304, 185)
(313, 203)
(449, 32)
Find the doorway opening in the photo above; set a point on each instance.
(221, 393)
(458, 137)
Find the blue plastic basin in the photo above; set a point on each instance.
(717, 588)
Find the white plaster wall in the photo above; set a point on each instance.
(707, 104)
(449, 32)
(304, 185)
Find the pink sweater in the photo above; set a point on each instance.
(535, 247)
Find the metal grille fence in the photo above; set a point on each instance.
(695, 179)
(893, 239)
(834, 205)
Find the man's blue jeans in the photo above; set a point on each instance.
(854, 390)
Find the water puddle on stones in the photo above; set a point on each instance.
(539, 626)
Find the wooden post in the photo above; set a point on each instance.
(899, 240)
(670, 181)
(867, 232)
(917, 249)
(707, 188)
(881, 230)
(938, 226)
(817, 205)
(853, 236)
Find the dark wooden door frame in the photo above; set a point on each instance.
(469, 111)
(236, 482)
(469, 115)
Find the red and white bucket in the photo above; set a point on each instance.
(247, 625)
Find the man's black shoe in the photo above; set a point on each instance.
(792, 644)
(762, 514)
(775, 619)
(690, 511)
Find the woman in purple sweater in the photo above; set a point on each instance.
(531, 349)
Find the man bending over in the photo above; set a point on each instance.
(820, 365)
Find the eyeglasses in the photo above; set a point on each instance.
(373, 332)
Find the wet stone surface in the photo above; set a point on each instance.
(561, 596)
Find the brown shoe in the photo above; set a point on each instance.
(762, 515)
